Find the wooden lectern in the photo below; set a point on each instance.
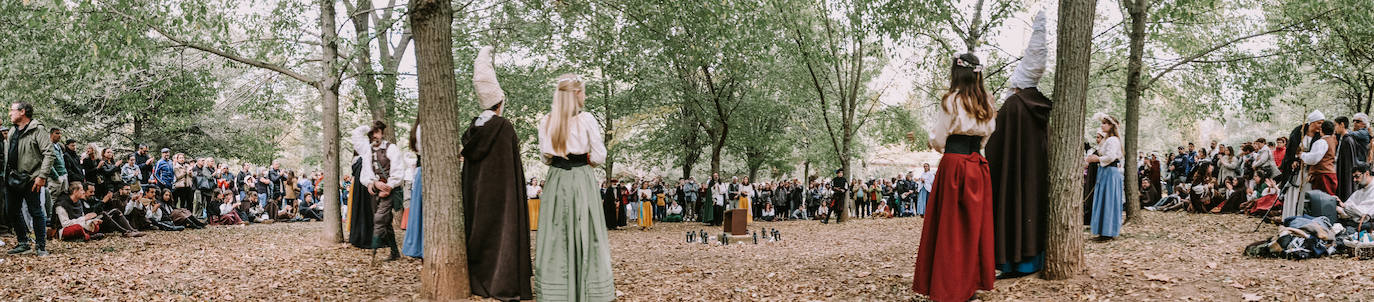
(736, 221)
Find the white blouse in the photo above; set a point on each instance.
(960, 122)
(1109, 151)
(584, 137)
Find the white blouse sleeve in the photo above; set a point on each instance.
(359, 138)
(398, 165)
(939, 131)
(596, 149)
(545, 146)
(1315, 155)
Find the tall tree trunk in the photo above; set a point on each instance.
(608, 135)
(1064, 251)
(690, 151)
(716, 147)
(444, 275)
(363, 73)
(806, 172)
(1137, 11)
(329, 92)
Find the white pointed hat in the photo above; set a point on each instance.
(484, 80)
(1032, 65)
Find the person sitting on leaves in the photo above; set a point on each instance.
(76, 224)
(177, 216)
(153, 210)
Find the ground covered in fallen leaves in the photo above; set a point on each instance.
(1166, 257)
(261, 262)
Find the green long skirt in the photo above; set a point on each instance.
(572, 256)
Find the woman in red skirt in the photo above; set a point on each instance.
(956, 255)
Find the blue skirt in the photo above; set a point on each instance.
(1108, 194)
(921, 202)
(1029, 266)
(414, 243)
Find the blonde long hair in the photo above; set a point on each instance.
(567, 104)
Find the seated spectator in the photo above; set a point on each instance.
(883, 211)
(110, 209)
(311, 209)
(768, 213)
(287, 213)
(799, 213)
(675, 213)
(1232, 198)
(245, 208)
(177, 216)
(224, 206)
(1171, 202)
(823, 213)
(75, 223)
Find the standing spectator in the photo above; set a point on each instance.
(107, 173)
(277, 177)
(183, 190)
(204, 173)
(241, 185)
(145, 164)
(28, 165)
(164, 173)
(72, 160)
(130, 172)
(59, 173)
(289, 193)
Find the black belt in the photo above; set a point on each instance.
(963, 144)
(569, 162)
(1115, 163)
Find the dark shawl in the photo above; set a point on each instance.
(1154, 174)
(610, 196)
(495, 212)
(1290, 154)
(360, 211)
(1347, 155)
(1018, 159)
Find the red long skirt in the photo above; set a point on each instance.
(956, 257)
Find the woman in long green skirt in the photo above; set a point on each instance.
(572, 254)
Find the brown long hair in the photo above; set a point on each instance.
(966, 84)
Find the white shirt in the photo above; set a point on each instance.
(1363, 200)
(1110, 150)
(363, 146)
(225, 208)
(674, 210)
(531, 191)
(1315, 154)
(746, 191)
(584, 137)
(959, 121)
(928, 180)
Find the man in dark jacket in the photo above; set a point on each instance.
(838, 185)
(144, 162)
(28, 164)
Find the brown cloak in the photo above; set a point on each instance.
(496, 213)
(1018, 158)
